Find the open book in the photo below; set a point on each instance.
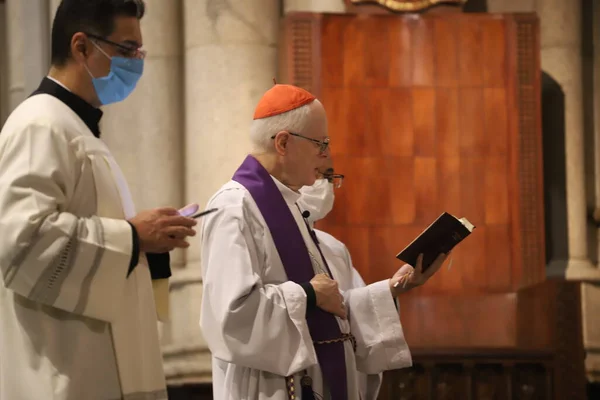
(440, 237)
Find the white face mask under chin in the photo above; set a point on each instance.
(317, 199)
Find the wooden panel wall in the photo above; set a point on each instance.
(537, 355)
(438, 113)
(430, 114)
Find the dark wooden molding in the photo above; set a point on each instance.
(524, 54)
(300, 52)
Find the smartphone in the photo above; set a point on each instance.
(203, 213)
(189, 210)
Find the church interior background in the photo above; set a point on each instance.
(487, 109)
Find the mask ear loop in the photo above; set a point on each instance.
(101, 51)
(84, 51)
(88, 71)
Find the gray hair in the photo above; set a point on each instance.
(263, 129)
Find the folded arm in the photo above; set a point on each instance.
(245, 321)
(48, 255)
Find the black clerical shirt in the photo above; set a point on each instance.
(159, 263)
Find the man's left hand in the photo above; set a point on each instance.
(407, 277)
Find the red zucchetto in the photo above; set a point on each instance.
(280, 99)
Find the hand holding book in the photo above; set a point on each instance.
(407, 277)
(428, 251)
(440, 237)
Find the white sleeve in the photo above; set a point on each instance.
(374, 322)
(49, 255)
(244, 320)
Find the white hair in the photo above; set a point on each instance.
(262, 130)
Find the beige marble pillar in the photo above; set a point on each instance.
(15, 76)
(230, 62)
(27, 47)
(590, 292)
(3, 65)
(145, 132)
(324, 6)
(560, 24)
(561, 57)
(52, 6)
(36, 54)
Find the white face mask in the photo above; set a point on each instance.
(317, 199)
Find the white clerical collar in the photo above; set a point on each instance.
(58, 83)
(289, 195)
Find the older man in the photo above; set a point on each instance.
(272, 313)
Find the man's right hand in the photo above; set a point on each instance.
(329, 297)
(162, 229)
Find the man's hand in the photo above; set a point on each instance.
(407, 277)
(329, 297)
(162, 229)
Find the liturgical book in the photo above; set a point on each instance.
(440, 237)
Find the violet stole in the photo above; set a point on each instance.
(294, 255)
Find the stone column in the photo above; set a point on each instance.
(36, 53)
(3, 65)
(324, 6)
(230, 62)
(590, 292)
(15, 75)
(560, 25)
(52, 6)
(145, 132)
(28, 48)
(561, 57)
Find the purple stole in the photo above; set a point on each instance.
(298, 267)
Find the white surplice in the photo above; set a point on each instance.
(377, 324)
(253, 318)
(72, 324)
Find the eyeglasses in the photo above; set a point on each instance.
(126, 51)
(323, 144)
(335, 179)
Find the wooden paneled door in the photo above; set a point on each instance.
(434, 113)
(430, 114)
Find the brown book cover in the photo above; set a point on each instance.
(440, 237)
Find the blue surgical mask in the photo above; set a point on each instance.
(121, 80)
